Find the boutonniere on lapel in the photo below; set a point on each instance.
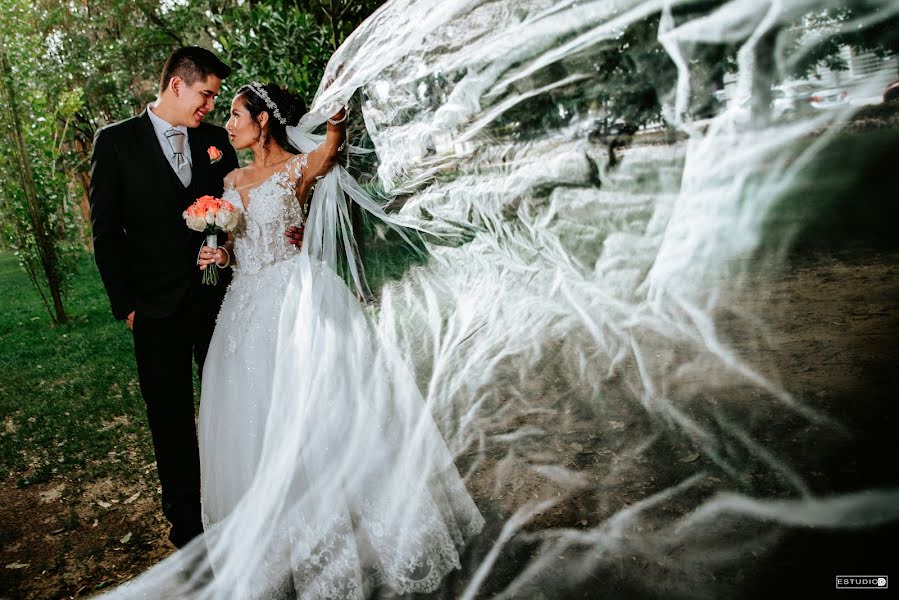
(214, 153)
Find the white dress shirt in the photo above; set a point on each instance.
(160, 126)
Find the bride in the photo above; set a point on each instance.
(323, 473)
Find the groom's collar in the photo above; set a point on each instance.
(160, 124)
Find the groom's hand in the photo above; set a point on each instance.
(129, 321)
(294, 236)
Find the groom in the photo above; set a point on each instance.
(145, 171)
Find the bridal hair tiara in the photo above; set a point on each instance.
(260, 91)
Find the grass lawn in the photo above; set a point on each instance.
(69, 397)
(80, 504)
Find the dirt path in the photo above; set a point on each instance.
(64, 539)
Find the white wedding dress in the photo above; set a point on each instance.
(319, 459)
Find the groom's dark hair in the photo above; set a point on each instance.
(192, 64)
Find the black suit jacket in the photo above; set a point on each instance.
(145, 252)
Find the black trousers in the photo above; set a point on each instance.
(165, 349)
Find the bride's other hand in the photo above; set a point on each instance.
(294, 236)
(209, 255)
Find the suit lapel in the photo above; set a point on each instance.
(156, 158)
(200, 164)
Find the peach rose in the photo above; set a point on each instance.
(211, 213)
(214, 153)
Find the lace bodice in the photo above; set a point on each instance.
(271, 207)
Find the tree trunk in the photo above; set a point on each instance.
(40, 222)
(85, 179)
(335, 34)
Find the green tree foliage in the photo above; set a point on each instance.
(286, 42)
(38, 219)
(826, 31)
(340, 17)
(268, 43)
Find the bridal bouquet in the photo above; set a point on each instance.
(211, 215)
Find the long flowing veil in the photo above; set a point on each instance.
(598, 355)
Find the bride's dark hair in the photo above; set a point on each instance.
(289, 104)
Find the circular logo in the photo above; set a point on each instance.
(881, 581)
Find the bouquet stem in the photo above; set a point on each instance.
(211, 273)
